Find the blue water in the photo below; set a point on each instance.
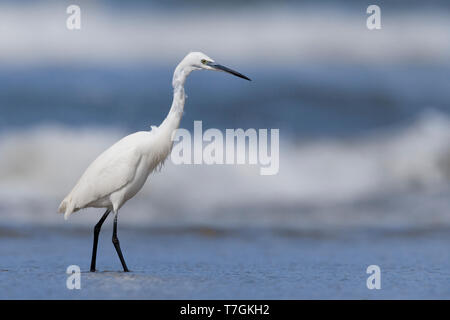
(364, 151)
(304, 101)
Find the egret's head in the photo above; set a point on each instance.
(199, 60)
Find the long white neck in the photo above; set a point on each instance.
(172, 121)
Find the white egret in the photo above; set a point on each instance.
(121, 171)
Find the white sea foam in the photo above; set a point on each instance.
(36, 33)
(39, 166)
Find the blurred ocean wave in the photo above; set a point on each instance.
(399, 177)
(262, 34)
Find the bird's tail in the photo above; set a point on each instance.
(66, 207)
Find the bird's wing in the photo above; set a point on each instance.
(110, 172)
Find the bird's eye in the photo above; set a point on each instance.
(204, 61)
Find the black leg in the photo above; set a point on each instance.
(116, 243)
(97, 228)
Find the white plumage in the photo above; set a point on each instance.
(120, 172)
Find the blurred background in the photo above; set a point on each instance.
(364, 116)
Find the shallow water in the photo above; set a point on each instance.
(207, 263)
(364, 176)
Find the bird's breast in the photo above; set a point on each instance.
(140, 177)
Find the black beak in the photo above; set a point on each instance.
(223, 68)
